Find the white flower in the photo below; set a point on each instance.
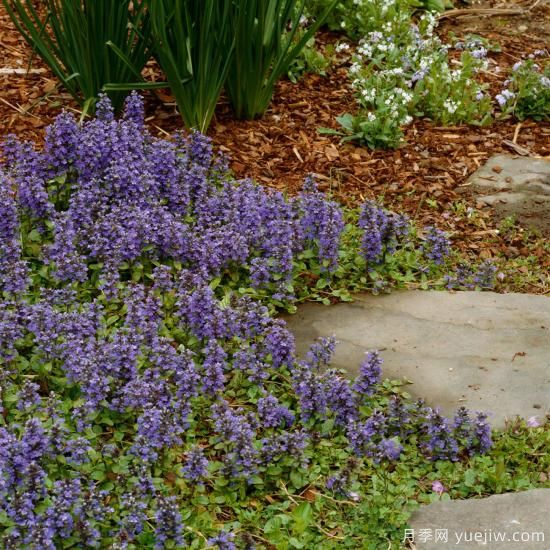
(342, 47)
(365, 50)
(480, 53)
(369, 95)
(533, 422)
(517, 66)
(504, 97)
(450, 105)
(375, 36)
(456, 75)
(405, 96)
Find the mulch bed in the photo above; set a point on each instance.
(423, 178)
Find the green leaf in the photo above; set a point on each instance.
(272, 525)
(98, 474)
(297, 479)
(303, 512)
(329, 131)
(322, 283)
(343, 294)
(34, 236)
(470, 478)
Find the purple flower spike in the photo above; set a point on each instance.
(196, 465)
(370, 373)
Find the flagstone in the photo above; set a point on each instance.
(483, 350)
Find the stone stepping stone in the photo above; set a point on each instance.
(483, 350)
(518, 186)
(511, 521)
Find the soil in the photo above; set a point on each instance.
(424, 178)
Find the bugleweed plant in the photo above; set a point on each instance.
(72, 36)
(193, 43)
(264, 50)
(148, 397)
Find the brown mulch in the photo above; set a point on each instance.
(424, 178)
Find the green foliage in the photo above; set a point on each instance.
(453, 96)
(528, 92)
(264, 50)
(71, 37)
(405, 71)
(515, 463)
(311, 60)
(200, 45)
(381, 126)
(527, 272)
(359, 17)
(193, 43)
(287, 505)
(404, 266)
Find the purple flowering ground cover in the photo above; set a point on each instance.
(149, 396)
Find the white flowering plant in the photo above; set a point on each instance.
(399, 74)
(453, 96)
(359, 17)
(384, 109)
(527, 91)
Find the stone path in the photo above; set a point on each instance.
(483, 350)
(509, 521)
(518, 186)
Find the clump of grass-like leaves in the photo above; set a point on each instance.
(264, 50)
(87, 43)
(193, 42)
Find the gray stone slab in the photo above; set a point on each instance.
(509, 521)
(483, 350)
(518, 186)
